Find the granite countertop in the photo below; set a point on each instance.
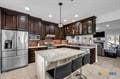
(87, 47)
(32, 47)
(54, 55)
(56, 45)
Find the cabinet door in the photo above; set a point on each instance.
(66, 28)
(36, 27)
(40, 27)
(85, 27)
(31, 26)
(52, 29)
(22, 22)
(57, 32)
(94, 26)
(42, 32)
(47, 29)
(73, 29)
(77, 28)
(61, 33)
(9, 21)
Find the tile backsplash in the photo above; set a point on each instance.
(84, 39)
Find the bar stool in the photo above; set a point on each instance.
(60, 72)
(77, 63)
(85, 60)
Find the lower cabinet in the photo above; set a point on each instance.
(92, 55)
(31, 54)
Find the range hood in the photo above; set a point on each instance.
(50, 36)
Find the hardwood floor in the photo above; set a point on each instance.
(103, 69)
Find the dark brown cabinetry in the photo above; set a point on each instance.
(13, 20)
(52, 28)
(57, 32)
(31, 54)
(61, 33)
(22, 22)
(35, 25)
(89, 26)
(9, 19)
(42, 31)
(92, 55)
(82, 27)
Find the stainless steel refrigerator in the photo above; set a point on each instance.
(14, 49)
(0, 50)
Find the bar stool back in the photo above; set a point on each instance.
(86, 59)
(62, 71)
(77, 63)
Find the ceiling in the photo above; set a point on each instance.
(42, 8)
(111, 25)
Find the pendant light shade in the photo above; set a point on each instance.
(60, 24)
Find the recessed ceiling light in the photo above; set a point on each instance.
(27, 8)
(76, 15)
(107, 25)
(73, 20)
(50, 16)
(64, 20)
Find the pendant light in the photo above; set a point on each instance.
(60, 24)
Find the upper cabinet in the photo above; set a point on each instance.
(35, 25)
(13, 20)
(51, 28)
(22, 22)
(9, 19)
(89, 26)
(82, 27)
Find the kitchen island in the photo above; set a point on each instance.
(92, 49)
(49, 59)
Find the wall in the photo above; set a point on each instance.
(112, 35)
(80, 39)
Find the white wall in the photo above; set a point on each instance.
(113, 34)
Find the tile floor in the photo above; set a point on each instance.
(97, 70)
